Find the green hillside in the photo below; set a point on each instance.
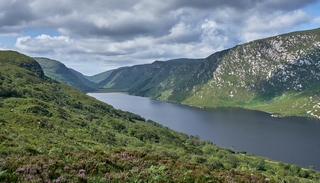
(83, 78)
(99, 77)
(58, 71)
(51, 132)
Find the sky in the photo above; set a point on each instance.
(99, 35)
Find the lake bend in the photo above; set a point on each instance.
(294, 140)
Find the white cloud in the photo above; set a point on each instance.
(316, 20)
(260, 26)
(113, 33)
(43, 44)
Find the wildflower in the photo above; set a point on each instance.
(21, 170)
(81, 173)
(58, 180)
(66, 168)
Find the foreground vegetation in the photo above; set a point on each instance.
(51, 132)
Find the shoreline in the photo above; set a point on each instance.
(272, 114)
(109, 91)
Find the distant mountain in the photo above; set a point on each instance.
(144, 79)
(99, 77)
(83, 78)
(110, 79)
(58, 71)
(51, 132)
(280, 75)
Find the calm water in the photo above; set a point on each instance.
(291, 139)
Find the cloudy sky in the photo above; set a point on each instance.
(93, 36)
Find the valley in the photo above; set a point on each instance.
(279, 75)
(159, 91)
(51, 131)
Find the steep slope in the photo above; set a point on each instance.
(278, 74)
(58, 71)
(51, 132)
(99, 77)
(178, 85)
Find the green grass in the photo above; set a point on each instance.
(289, 104)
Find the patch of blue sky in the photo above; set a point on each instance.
(32, 32)
(313, 10)
(7, 41)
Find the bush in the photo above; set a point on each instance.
(214, 163)
(304, 173)
(198, 159)
(295, 169)
(260, 165)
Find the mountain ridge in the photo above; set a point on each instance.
(56, 70)
(265, 74)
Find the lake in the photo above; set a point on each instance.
(293, 140)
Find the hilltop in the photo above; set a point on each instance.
(51, 132)
(58, 71)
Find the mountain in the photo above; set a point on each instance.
(58, 71)
(144, 79)
(51, 132)
(99, 77)
(279, 75)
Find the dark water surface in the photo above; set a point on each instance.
(293, 140)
